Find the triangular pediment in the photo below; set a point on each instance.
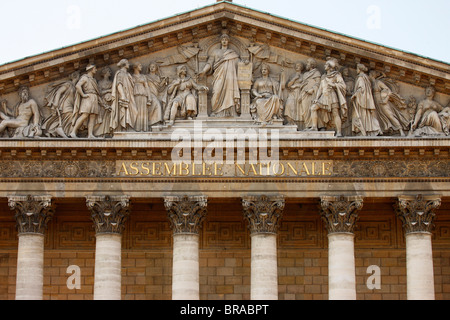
(257, 38)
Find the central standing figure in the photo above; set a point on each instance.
(226, 96)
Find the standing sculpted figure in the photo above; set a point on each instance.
(388, 104)
(124, 111)
(105, 86)
(267, 104)
(183, 101)
(157, 85)
(293, 102)
(142, 98)
(27, 117)
(431, 117)
(311, 82)
(350, 83)
(87, 103)
(60, 99)
(226, 97)
(330, 105)
(364, 117)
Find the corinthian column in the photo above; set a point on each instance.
(340, 215)
(186, 215)
(263, 214)
(109, 214)
(417, 215)
(32, 214)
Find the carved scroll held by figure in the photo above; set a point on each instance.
(87, 103)
(60, 99)
(311, 82)
(364, 118)
(105, 87)
(388, 104)
(124, 111)
(183, 98)
(293, 102)
(157, 84)
(226, 97)
(329, 108)
(431, 117)
(267, 104)
(27, 118)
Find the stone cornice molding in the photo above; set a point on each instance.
(295, 35)
(417, 212)
(186, 213)
(32, 213)
(109, 213)
(340, 213)
(263, 213)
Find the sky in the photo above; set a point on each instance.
(30, 27)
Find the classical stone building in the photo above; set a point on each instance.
(225, 153)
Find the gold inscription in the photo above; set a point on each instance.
(204, 169)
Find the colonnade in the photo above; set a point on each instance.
(186, 215)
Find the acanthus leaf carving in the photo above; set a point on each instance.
(263, 213)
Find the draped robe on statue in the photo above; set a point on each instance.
(364, 117)
(123, 115)
(225, 85)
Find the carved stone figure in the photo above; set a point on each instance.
(388, 104)
(27, 118)
(142, 99)
(87, 103)
(364, 118)
(157, 85)
(226, 97)
(60, 99)
(330, 105)
(105, 86)
(311, 82)
(267, 104)
(183, 100)
(293, 102)
(124, 111)
(350, 82)
(431, 117)
(411, 104)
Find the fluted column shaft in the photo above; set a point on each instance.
(186, 215)
(417, 215)
(263, 214)
(340, 215)
(32, 215)
(109, 215)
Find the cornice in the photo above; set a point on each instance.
(242, 21)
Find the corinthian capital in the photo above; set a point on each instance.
(186, 214)
(32, 213)
(263, 213)
(340, 213)
(417, 212)
(109, 213)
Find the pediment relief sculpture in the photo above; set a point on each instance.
(226, 77)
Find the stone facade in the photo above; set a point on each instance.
(225, 154)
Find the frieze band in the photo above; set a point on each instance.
(301, 169)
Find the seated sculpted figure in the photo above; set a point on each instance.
(431, 117)
(27, 117)
(267, 104)
(182, 101)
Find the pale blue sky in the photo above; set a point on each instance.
(32, 27)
